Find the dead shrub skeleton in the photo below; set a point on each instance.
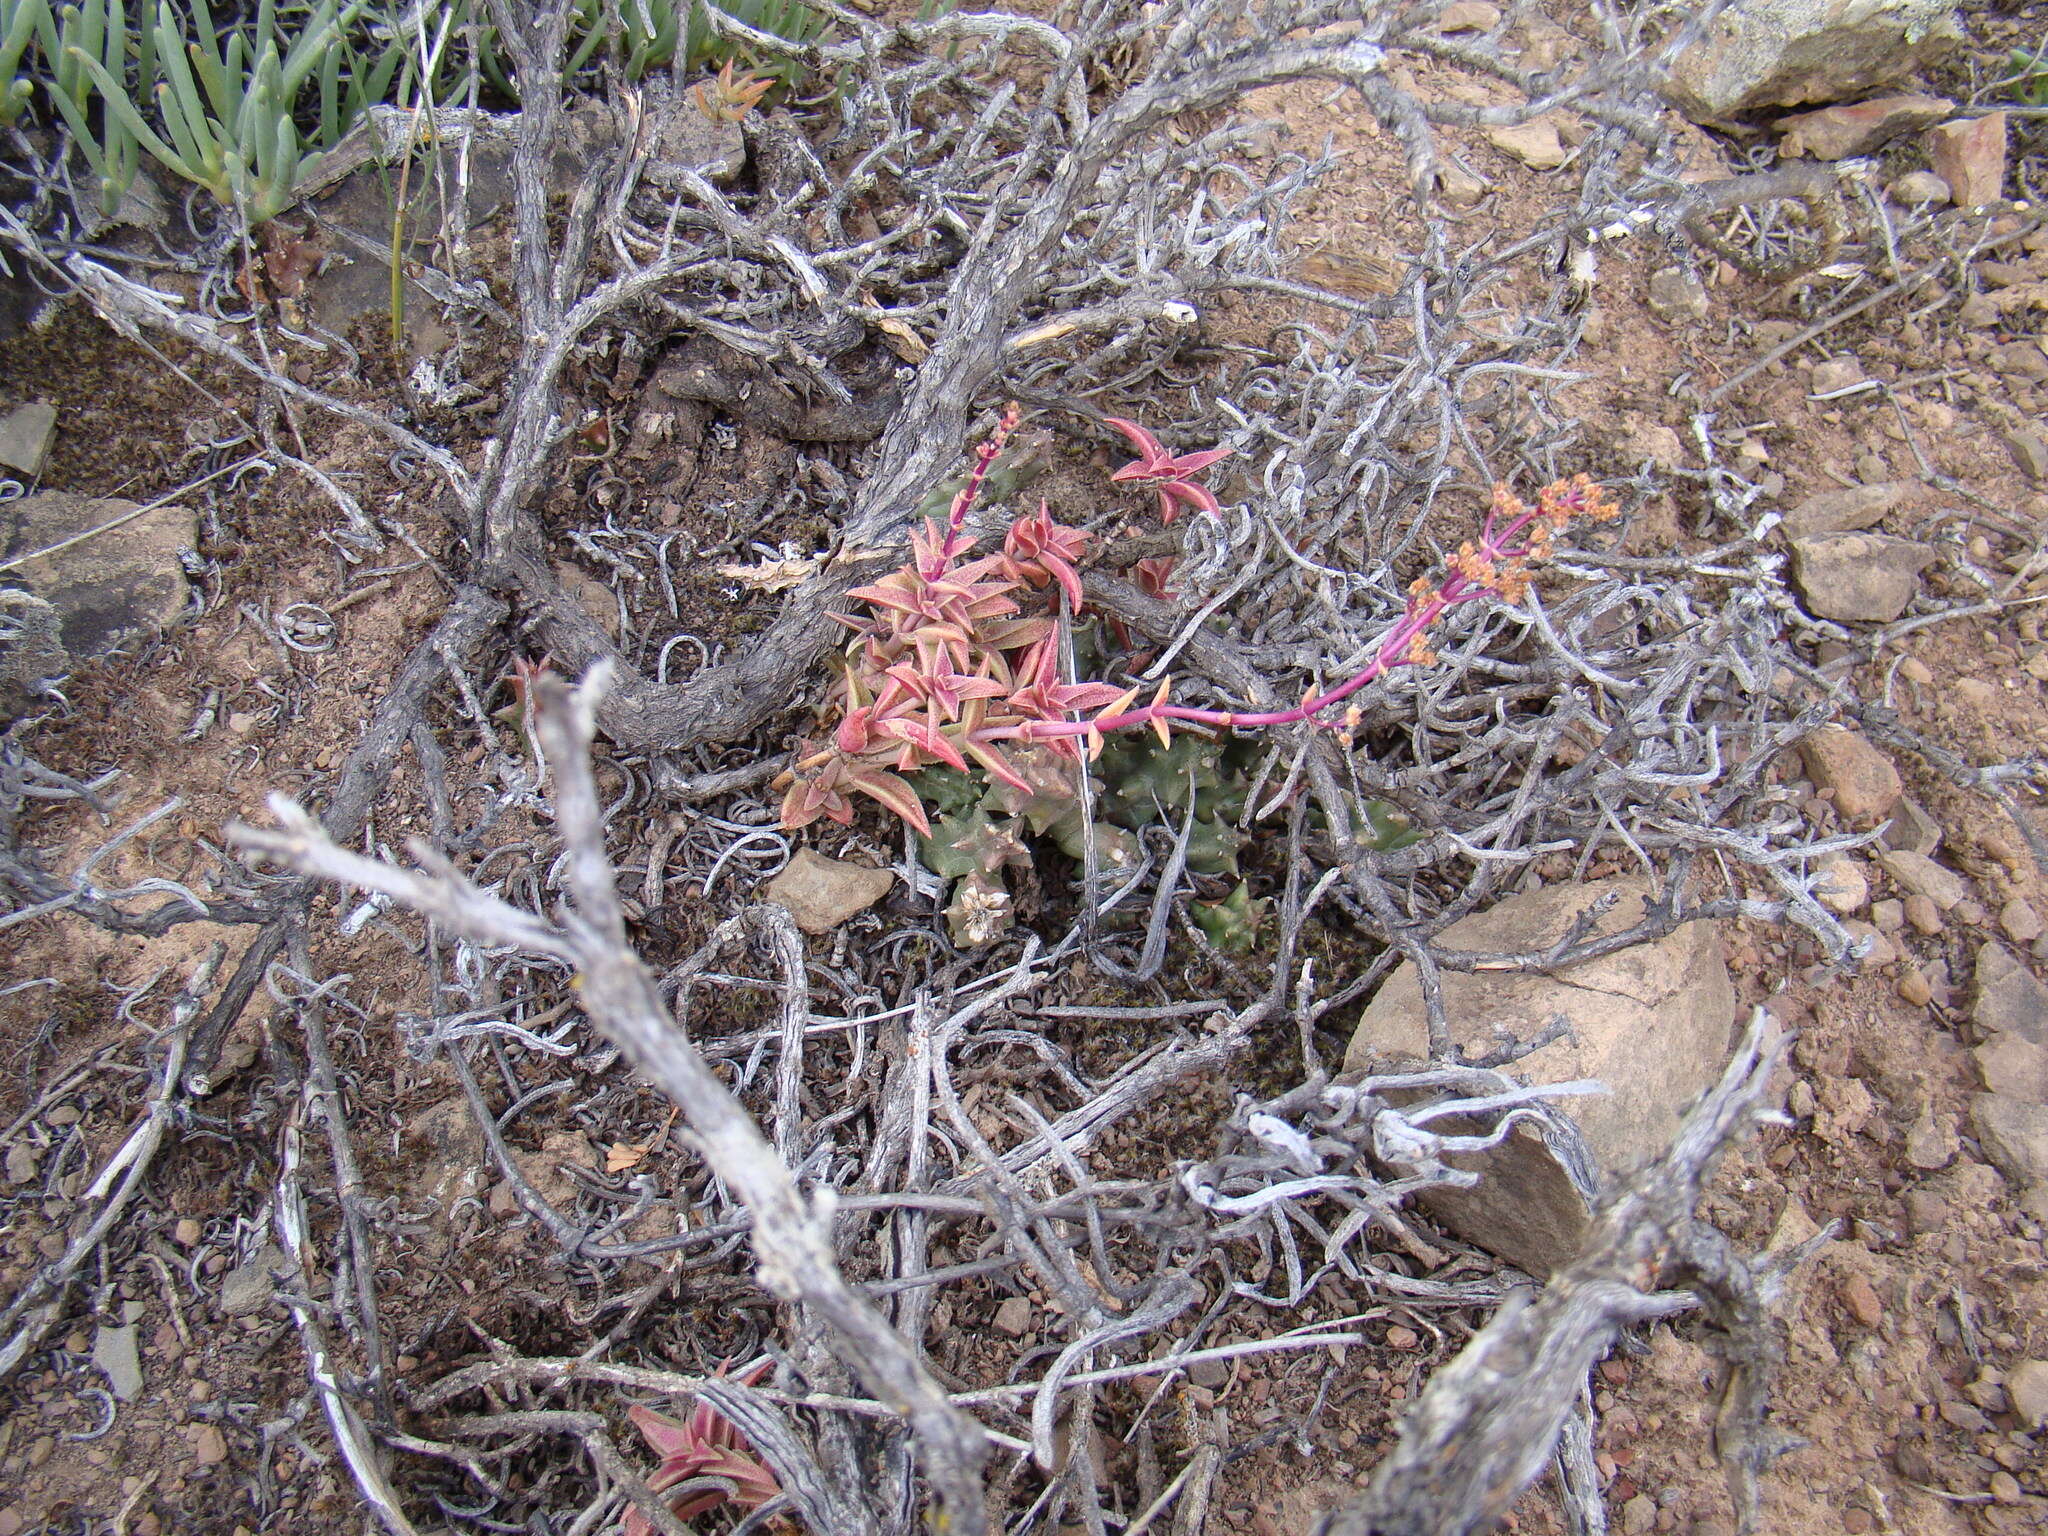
(1065, 200)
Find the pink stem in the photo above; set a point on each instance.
(1393, 652)
(956, 518)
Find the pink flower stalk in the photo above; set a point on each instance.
(1497, 566)
(1172, 477)
(955, 542)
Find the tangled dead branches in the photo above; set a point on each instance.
(1074, 213)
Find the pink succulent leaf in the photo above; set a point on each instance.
(893, 793)
(926, 738)
(1146, 444)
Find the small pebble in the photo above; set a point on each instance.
(1861, 1298)
(63, 1114)
(2005, 1488)
(1923, 914)
(209, 1446)
(1402, 1338)
(1889, 915)
(1969, 913)
(187, 1232)
(1914, 989)
(2022, 924)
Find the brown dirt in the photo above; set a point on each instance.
(1899, 1330)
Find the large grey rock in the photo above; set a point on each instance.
(1654, 1022)
(1868, 577)
(1787, 53)
(109, 584)
(2008, 998)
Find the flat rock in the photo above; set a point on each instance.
(2008, 997)
(2014, 1136)
(1536, 144)
(108, 585)
(1868, 577)
(1911, 828)
(1837, 132)
(1677, 297)
(1919, 189)
(1865, 784)
(25, 436)
(1847, 510)
(1788, 53)
(1923, 877)
(822, 893)
(2026, 1385)
(115, 1352)
(2029, 451)
(1653, 1022)
(1841, 886)
(2012, 1065)
(1468, 16)
(247, 1288)
(1969, 155)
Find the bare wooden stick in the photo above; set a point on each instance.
(791, 1235)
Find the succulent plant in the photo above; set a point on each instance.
(1232, 924)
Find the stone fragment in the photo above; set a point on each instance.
(2014, 1135)
(1013, 1316)
(1536, 143)
(115, 1352)
(1458, 187)
(1919, 189)
(822, 893)
(1914, 988)
(1924, 915)
(247, 1288)
(1867, 577)
(1843, 130)
(1878, 951)
(1841, 886)
(209, 1446)
(1969, 154)
(22, 1162)
(2013, 1065)
(2029, 452)
(2026, 1384)
(1677, 297)
(1835, 374)
(1911, 828)
(2022, 924)
(1763, 53)
(1653, 1022)
(1861, 1300)
(25, 436)
(1931, 1143)
(1923, 877)
(1848, 510)
(1468, 16)
(2007, 997)
(1865, 784)
(109, 584)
